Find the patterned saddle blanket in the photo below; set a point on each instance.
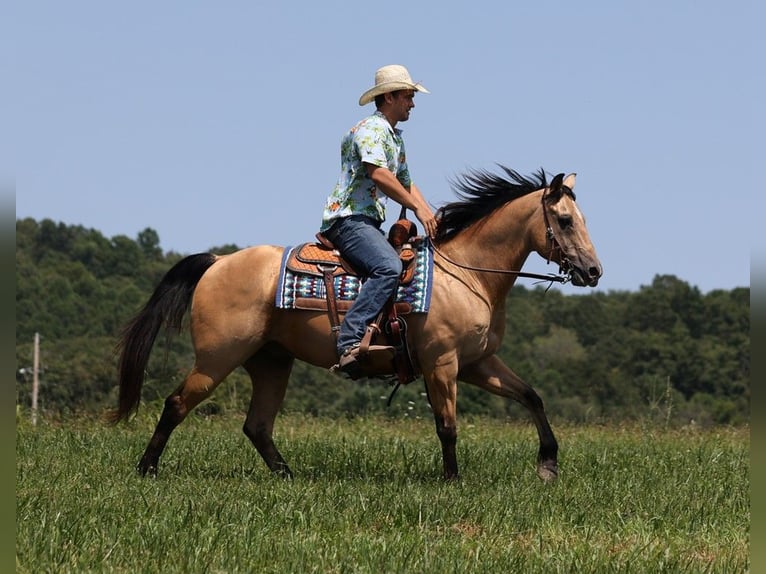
(301, 284)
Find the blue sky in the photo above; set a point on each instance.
(218, 123)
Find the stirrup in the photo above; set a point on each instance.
(373, 361)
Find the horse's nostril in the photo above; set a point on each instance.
(594, 272)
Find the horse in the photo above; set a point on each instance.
(483, 239)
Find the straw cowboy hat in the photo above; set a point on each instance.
(389, 79)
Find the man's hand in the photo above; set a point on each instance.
(424, 214)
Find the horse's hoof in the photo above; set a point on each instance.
(283, 472)
(149, 470)
(548, 471)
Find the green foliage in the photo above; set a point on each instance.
(665, 352)
(613, 356)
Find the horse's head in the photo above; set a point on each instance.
(566, 239)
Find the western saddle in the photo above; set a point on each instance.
(323, 260)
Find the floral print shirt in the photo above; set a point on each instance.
(372, 141)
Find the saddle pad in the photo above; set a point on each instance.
(297, 290)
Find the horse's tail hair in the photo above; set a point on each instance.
(167, 306)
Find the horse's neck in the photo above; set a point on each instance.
(501, 241)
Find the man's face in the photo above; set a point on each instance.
(403, 102)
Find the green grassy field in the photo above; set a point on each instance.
(368, 497)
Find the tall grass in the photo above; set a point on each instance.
(367, 497)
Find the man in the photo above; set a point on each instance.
(373, 167)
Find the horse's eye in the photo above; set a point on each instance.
(565, 221)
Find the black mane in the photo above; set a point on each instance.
(481, 192)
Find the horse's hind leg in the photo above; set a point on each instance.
(269, 370)
(195, 388)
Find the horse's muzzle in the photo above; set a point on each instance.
(588, 278)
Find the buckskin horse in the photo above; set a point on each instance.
(482, 242)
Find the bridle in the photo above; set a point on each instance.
(565, 267)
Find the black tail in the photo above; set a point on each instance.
(167, 306)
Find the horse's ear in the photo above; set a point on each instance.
(554, 189)
(569, 180)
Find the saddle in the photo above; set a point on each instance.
(321, 259)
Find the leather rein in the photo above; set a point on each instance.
(564, 275)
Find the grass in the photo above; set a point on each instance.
(367, 497)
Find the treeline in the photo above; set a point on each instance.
(666, 352)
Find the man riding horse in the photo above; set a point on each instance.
(482, 242)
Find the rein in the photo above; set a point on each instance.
(547, 277)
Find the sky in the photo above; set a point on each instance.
(218, 123)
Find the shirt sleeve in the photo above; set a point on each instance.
(370, 144)
(403, 174)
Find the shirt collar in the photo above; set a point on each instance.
(378, 113)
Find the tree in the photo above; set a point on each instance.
(149, 242)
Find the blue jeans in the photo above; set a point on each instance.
(362, 243)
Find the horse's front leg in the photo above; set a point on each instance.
(441, 385)
(494, 376)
